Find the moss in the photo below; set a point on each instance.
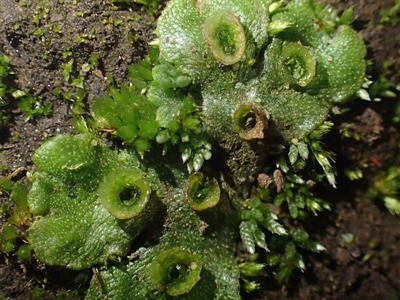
(246, 78)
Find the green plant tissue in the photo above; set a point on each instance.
(232, 73)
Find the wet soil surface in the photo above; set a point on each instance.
(368, 268)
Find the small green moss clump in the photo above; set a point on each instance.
(240, 79)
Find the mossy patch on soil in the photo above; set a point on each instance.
(368, 268)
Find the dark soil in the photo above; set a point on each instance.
(340, 273)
